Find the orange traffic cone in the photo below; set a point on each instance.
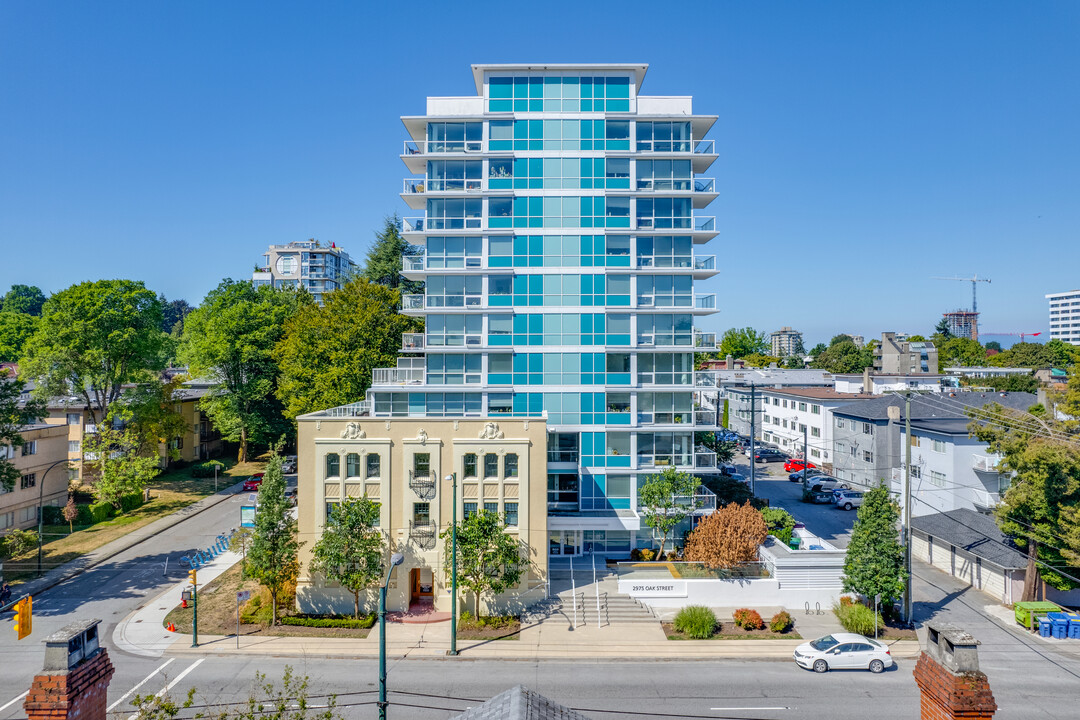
(183, 602)
(171, 627)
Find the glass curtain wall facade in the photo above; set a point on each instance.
(560, 215)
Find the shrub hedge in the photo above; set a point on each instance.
(100, 512)
(748, 619)
(131, 501)
(697, 621)
(781, 622)
(857, 618)
(362, 623)
(206, 469)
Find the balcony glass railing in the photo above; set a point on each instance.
(397, 376)
(986, 499)
(412, 302)
(705, 302)
(704, 339)
(411, 342)
(704, 222)
(415, 186)
(434, 147)
(704, 262)
(697, 262)
(704, 185)
(665, 184)
(412, 263)
(705, 417)
(986, 463)
(705, 147)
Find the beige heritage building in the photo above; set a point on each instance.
(402, 463)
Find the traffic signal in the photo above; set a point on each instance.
(191, 576)
(24, 619)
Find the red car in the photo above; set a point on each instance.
(796, 464)
(253, 482)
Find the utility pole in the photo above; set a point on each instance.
(753, 409)
(907, 506)
(805, 454)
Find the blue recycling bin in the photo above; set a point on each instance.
(1059, 629)
(1074, 629)
(1045, 627)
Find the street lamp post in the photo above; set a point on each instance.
(452, 479)
(41, 510)
(395, 560)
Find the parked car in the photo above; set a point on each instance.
(766, 455)
(290, 495)
(288, 464)
(847, 499)
(727, 468)
(822, 482)
(844, 651)
(797, 464)
(253, 482)
(800, 475)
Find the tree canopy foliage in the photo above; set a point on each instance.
(489, 561)
(384, 260)
(173, 314)
(350, 551)
(230, 339)
(327, 353)
(113, 457)
(25, 299)
(15, 330)
(875, 558)
(93, 339)
(13, 416)
(740, 342)
(727, 538)
(844, 357)
(273, 556)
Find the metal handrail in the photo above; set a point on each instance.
(441, 147)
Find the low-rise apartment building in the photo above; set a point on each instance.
(881, 383)
(792, 414)
(903, 357)
(42, 477)
(866, 439)
(402, 464)
(735, 390)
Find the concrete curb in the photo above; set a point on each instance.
(91, 560)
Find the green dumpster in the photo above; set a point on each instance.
(1024, 611)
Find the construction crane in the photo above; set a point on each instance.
(973, 279)
(1019, 335)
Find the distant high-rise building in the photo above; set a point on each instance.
(963, 323)
(786, 341)
(1065, 316)
(309, 264)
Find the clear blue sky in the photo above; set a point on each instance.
(864, 147)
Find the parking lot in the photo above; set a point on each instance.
(826, 521)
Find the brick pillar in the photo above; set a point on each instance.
(75, 681)
(951, 686)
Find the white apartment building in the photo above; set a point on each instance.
(1065, 316)
(786, 341)
(310, 264)
(787, 413)
(949, 469)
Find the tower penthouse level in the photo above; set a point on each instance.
(559, 212)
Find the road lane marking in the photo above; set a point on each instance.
(12, 702)
(171, 685)
(141, 683)
(752, 708)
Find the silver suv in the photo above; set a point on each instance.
(847, 499)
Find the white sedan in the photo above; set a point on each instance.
(843, 651)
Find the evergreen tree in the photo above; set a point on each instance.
(384, 260)
(875, 558)
(272, 559)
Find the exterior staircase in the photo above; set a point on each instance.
(614, 608)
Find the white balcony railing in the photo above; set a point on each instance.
(705, 147)
(986, 463)
(704, 185)
(704, 222)
(704, 262)
(412, 263)
(985, 499)
(397, 376)
(705, 417)
(702, 502)
(704, 339)
(665, 184)
(702, 459)
(439, 147)
(706, 378)
(412, 302)
(413, 224)
(706, 301)
(418, 186)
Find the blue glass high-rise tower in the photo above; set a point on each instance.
(560, 230)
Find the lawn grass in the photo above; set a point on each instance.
(169, 492)
(217, 612)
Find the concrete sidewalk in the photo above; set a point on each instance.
(68, 570)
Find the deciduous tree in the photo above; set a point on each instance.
(666, 500)
(230, 339)
(15, 330)
(26, 299)
(112, 456)
(489, 561)
(875, 558)
(327, 353)
(71, 512)
(844, 357)
(740, 342)
(93, 339)
(14, 415)
(350, 551)
(728, 537)
(272, 559)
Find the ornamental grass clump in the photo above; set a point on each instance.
(857, 618)
(696, 621)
